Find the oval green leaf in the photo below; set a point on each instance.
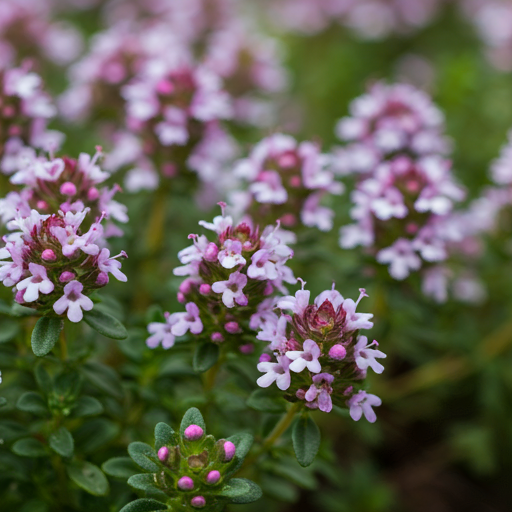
(29, 447)
(62, 442)
(88, 477)
(306, 440)
(205, 356)
(105, 324)
(144, 505)
(45, 334)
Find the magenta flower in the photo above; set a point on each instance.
(362, 403)
(73, 301)
(275, 372)
(231, 254)
(37, 283)
(366, 357)
(306, 358)
(232, 290)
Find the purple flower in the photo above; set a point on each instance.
(355, 321)
(262, 267)
(275, 372)
(107, 264)
(401, 259)
(306, 358)
(319, 393)
(362, 403)
(73, 301)
(232, 290)
(231, 254)
(161, 334)
(366, 357)
(37, 283)
(297, 304)
(189, 321)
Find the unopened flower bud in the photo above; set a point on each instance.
(68, 189)
(229, 451)
(265, 358)
(66, 276)
(186, 286)
(247, 348)
(102, 279)
(19, 296)
(165, 87)
(42, 205)
(193, 432)
(205, 289)
(185, 483)
(337, 352)
(213, 477)
(181, 298)
(300, 394)
(163, 454)
(48, 255)
(217, 337)
(211, 252)
(169, 170)
(232, 327)
(198, 502)
(295, 181)
(93, 194)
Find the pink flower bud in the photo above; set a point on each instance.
(232, 327)
(181, 298)
(229, 451)
(193, 432)
(289, 219)
(198, 502)
(93, 194)
(265, 358)
(269, 289)
(15, 130)
(48, 255)
(211, 252)
(287, 160)
(19, 296)
(300, 394)
(163, 454)
(246, 349)
(213, 477)
(185, 483)
(337, 352)
(217, 337)
(66, 276)
(295, 182)
(186, 286)
(169, 170)
(68, 189)
(42, 205)
(102, 279)
(165, 87)
(205, 289)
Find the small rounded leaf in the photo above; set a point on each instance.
(144, 505)
(205, 356)
(192, 417)
(32, 402)
(240, 491)
(62, 442)
(260, 400)
(144, 456)
(29, 447)
(105, 324)
(88, 477)
(87, 406)
(164, 435)
(45, 334)
(306, 440)
(120, 467)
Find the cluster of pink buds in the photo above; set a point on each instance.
(405, 191)
(317, 355)
(52, 266)
(368, 19)
(64, 184)
(286, 182)
(25, 110)
(227, 282)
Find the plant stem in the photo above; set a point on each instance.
(63, 345)
(277, 432)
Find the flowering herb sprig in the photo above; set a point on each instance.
(229, 284)
(317, 355)
(190, 470)
(405, 192)
(286, 182)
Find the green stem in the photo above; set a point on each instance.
(63, 345)
(273, 437)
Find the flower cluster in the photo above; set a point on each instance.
(53, 266)
(192, 470)
(286, 182)
(63, 184)
(228, 283)
(25, 110)
(405, 192)
(318, 356)
(368, 19)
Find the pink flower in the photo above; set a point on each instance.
(319, 393)
(306, 358)
(275, 372)
(401, 258)
(161, 334)
(73, 301)
(231, 254)
(189, 321)
(366, 357)
(262, 266)
(297, 304)
(107, 264)
(232, 290)
(37, 283)
(355, 321)
(362, 403)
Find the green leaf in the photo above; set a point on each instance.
(29, 447)
(144, 456)
(120, 467)
(240, 491)
(164, 435)
(143, 482)
(87, 406)
(43, 379)
(144, 505)
(96, 433)
(88, 477)
(45, 334)
(205, 356)
(260, 400)
(105, 324)
(191, 417)
(104, 377)
(32, 402)
(3, 401)
(62, 442)
(306, 440)
(243, 443)
(9, 330)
